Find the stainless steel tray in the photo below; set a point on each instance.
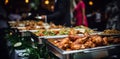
(56, 36)
(82, 50)
(63, 54)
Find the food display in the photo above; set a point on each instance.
(69, 40)
(32, 25)
(76, 42)
(64, 31)
(111, 32)
(26, 25)
(53, 32)
(85, 29)
(40, 28)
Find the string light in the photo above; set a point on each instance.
(6, 2)
(26, 1)
(47, 2)
(91, 3)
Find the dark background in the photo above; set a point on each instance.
(22, 6)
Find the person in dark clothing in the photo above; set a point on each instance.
(4, 54)
(60, 14)
(112, 13)
(3, 17)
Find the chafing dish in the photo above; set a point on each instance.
(63, 54)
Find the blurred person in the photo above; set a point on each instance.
(98, 16)
(3, 15)
(72, 6)
(98, 20)
(4, 54)
(60, 14)
(112, 14)
(79, 14)
(15, 16)
(91, 20)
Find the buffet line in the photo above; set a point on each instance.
(69, 40)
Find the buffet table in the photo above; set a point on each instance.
(42, 36)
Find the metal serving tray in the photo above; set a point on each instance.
(82, 50)
(56, 36)
(62, 54)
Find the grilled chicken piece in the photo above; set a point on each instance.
(75, 46)
(73, 37)
(97, 40)
(90, 44)
(105, 41)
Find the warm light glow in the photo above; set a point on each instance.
(6, 1)
(26, 1)
(52, 8)
(46, 2)
(90, 3)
